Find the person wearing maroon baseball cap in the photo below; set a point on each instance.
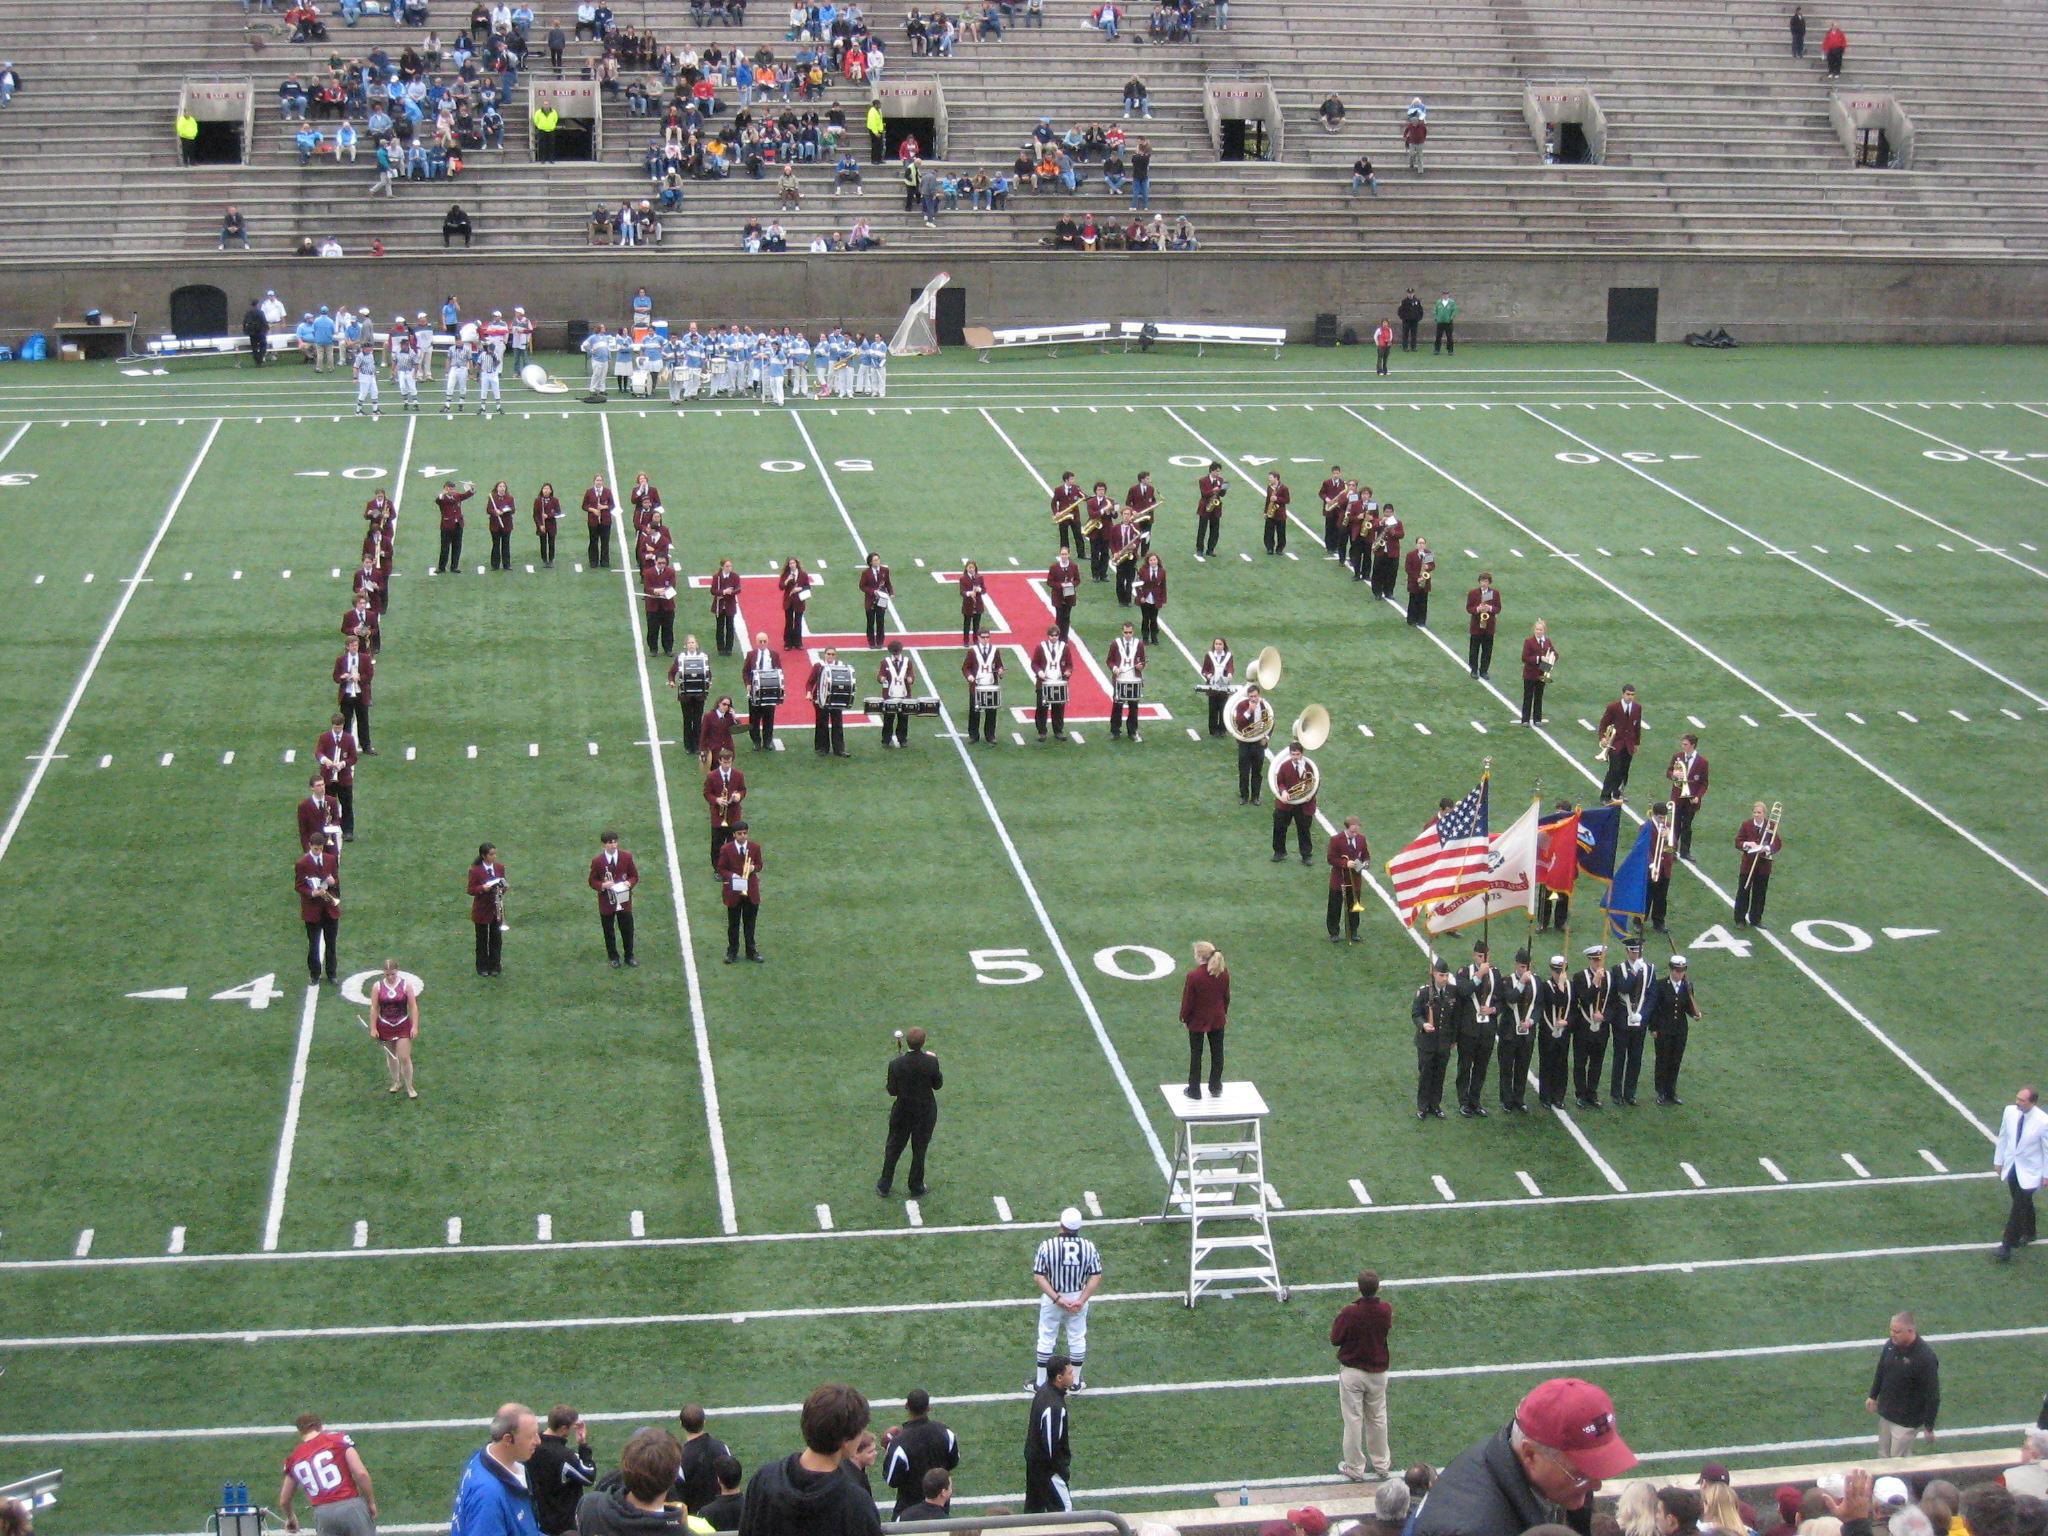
(1543, 1466)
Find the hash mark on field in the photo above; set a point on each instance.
(1077, 738)
(1694, 1174)
(106, 759)
(636, 1223)
(1909, 719)
(1516, 553)
(1002, 1209)
(1696, 722)
(1528, 1183)
(533, 749)
(824, 1217)
(913, 1213)
(291, 755)
(1365, 730)
(84, 1244)
(1443, 1186)
(88, 578)
(226, 758)
(1855, 1167)
(543, 1228)
(285, 575)
(1932, 1161)
(1193, 734)
(1599, 551)
(1853, 716)
(1479, 727)
(1949, 547)
(1861, 548)
(1247, 559)
(454, 1231)
(1960, 716)
(1688, 549)
(1425, 730)
(177, 1243)
(237, 576)
(165, 760)
(1292, 555)
(1906, 547)
(1820, 549)
(38, 581)
(1585, 722)
(593, 749)
(472, 749)
(361, 1236)
(1745, 719)
(2010, 714)
(1647, 550)
(411, 753)
(1017, 737)
(1777, 1174)
(1734, 549)
(1272, 1197)
(1358, 1192)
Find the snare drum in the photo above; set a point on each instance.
(767, 689)
(988, 698)
(1129, 690)
(693, 681)
(1053, 691)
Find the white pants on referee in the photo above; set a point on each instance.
(1050, 1315)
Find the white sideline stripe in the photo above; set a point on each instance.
(288, 1136)
(1002, 831)
(1586, 1146)
(1811, 569)
(1957, 447)
(92, 662)
(714, 1124)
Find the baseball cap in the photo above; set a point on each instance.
(1576, 1419)
(1788, 1504)
(1713, 1472)
(1070, 1219)
(1310, 1520)
(1891, 1490)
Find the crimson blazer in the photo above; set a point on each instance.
(602, 874)
(1205, 1001)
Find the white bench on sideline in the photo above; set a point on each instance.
(1204, 336)
(985, 341)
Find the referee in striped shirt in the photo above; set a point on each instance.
(1068, 1271)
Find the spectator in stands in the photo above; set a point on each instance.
(1557, 1449)
(637, 1506)
(453, 223)
(1414, 134)
(1066, 234)
(345, 139)
(331, 247)
(233, 227)
(1797, 25)
(1832, 47)
(387, 171)
(999, 190)
(559, 1471)
(1678, 1512)
(1070, 177)
(722, 1513)
(1155, 232)
(1114, 173)
(846, 174)
(2030, 1477)
(937, 1492)
(807, 1492)
(1108, 16)
(10, 82)
(1135, 98)
(1091, 235)
(788, 190)
(1183, 238)
(1331, 113)
(1988, 1510)
(1720, 1510)
(1141, 174)
(1362, 176)
(1135, 236)
(1390, 1509)
(1905, 1393)
(1637, 1511)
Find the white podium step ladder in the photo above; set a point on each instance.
(1218, 1186)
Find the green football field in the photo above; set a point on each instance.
(628, 1190)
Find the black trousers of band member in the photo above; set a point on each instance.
(2019, 1220)
(761, 724)
(1251, 770)
(1418, 609)
(320, 938)
(727, 633)
(793, 630)
(1336, 534)
(1045, 1491)
(490, 944)
(1682, 813)
(1361, 559)
(896, 727)
(1126, 578)
(740, 916)
(1059, 718)
(829, 734)
(547, 547)
(1098, 556)
(1432, 1057)
(1479, 654)
(1148, 623)
(1062, 617)
(1553, 908)
(981, 723)
(599, 551)
(1216, 703)
(355, 718)
(693, 723)
(618, 934)
(345, 794)
(1118, 714)
(910, 1128)
(1215, 1039)
(1475, 1054)
(1070, 536)
(1616, 780)
(1512, 1059)
(1284, 816)
(1589, 1050)
(1409, 328)
(1275, 535)
(1553, 1065)
(1339, 908)
(661, 630)
(1385, 568)
(501, 549)
(1749, 898)
(1532, 700)
(451, 550)
(1659, 891)
(1627, 1066)
(1670, 1048)
(970, 628)
(719, 836)
(878, 619)
(1208, 528)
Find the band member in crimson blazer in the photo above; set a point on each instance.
(1362, 527)
(598, 506)
(320, 818)
(1760, 843)
(547, 523)
(1688, 776)
(1209, 493)
(336, 753)
(1098, 512)
(829, 735)
(1066, 511)
(1219, 668)
(725, 793)
(877, 590)
(1052, 661)
(1331, 493)
(1277, 497)
(654, 539)
(610, 870)
(368, 581)
(353, 672)
(1150, 591)
(646, 501)
(658, 587)
(894, 676)
(317, 879)
(1347, 856)
(1062, 586)
(1125, 659)
(450, 502)
(1205, 1010)
(361, 621)
(693, 703)
(715, 735)
(1482, 607)
(1624, 717)
(973, 602)
(739, 872)
(501, 511)
(796, 584)
(1420, 566)
(725, 605)
(1386, 551)
(760, 716)
(487, 909)
(1252, 736)
(1126, 540)
(1292, 770)
(378, 507)
(1142, 499)
(982, 666)
(1539, 659)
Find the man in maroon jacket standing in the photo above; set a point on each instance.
(1624, 719)
(336, 751)
(1360, 1336)
(450, 502)
(317, 878)
(739, 875)
(353, 673)
(613, 874)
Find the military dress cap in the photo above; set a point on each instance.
(1633, 944)
(1596, 949)
(1556, 962)
(1480, 948)
(1678, 962)
(1440, 965)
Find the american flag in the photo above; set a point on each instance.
(1448, 858)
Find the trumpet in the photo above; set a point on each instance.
(1548, 664)
(1606, 745)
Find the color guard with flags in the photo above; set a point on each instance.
(1508, 884)
(1628, 895)
(1557, 866)
(1447, 859)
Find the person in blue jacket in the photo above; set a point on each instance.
(493, 1499)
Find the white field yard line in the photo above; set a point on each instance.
(1850, 480)
(1770, 546)
(728, 1217)
(92, 662)
(240, 1336)
(1002, 831)
(1319, 1379)
(971, 1229)
(1982, 458)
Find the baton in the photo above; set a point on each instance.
(389, 1054)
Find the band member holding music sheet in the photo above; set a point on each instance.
(1635, 984)
(1125, 537)
(598, 506)
(361, 621)
(487, 909)
(1332, 493)
(1554, 908)
(394, 1025)
(613, 874)
(716, 734)
(653, 539)
(725, 792)
(1142, 500)
(320, 819)
(547, 523)
(1277, 496)
(762, 671)
(1209, 493)
(877, 590)
(1688, 775)
(1663, 854)
(1052, 665)
(690, 676)
(1062, 586)
(450, 501)
(1098, 511)
(1361, 527)
(1066, 511)
(1477, 1009)
(1251, 721)
(1592, 992)
(725, 606)
(1621, 733)
(1515, 1032)
(1126, 662)
(1432, 1011)
(658, 590)
(1482, 605)
(831, 693)
(1219, 669)
(1553, 1034)
(1295, 782)
(1346, 855)
(796, 584)
(646, 500)
(317, 878)
(1421, 570)
(1150, 591)
(353, 674)
(1386, 551)
(982, 666)
(368, 582)
(1539, 660)
(974, 598)
(1759, 842)
(894, 676)
(336, 753)
(739, 874)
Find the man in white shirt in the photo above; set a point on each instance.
(2021, 1158)
(2030, 1477)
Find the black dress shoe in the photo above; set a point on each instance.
(881, 1189)
(1466, 1111)
(755, 957)
(1439, 1114)
(920, 1192)
(1192, 1091)
(1422, 1114)
(2002, 1255)
(1279, 858)
(613, 962)
(1674, 1099)
(731, 959)
(1478, 1113)
(632, 964)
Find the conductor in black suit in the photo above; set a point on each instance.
(914, 1083)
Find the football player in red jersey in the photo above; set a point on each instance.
(328, 1469)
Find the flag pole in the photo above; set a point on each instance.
(1536, 878)
(1486, 901)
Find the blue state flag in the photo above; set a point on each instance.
(1599, 840)
(1628, 895)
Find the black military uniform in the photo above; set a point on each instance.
(1048, 1460)
(1675, 1007)
(914, 1082)
(1476, 1015)
(1629, 1015)
(1553, 1034)
(1435, 1005)
(1592, 995)
(1515, 1026)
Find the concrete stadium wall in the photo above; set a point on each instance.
(1501, 298)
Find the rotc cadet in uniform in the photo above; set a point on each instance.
(1062, 586)
(1433, 1010)
(982, 666)
(1209, 493)
(1386, 552)
(877, 589)
(1066, 511)
(1591, 996)
(1333, 493)
(611, 870)
(1553, 1034)
(1539, 660)
(739, 870)
(658, 582)
(1126, 662)
(1218, 668)
(1347, 856)
(1624, 717)
(1676, 1006)
(1632, 1003)
(725, 605)
(1477, 1011)
(1759, 842)
(1554, 908)
(450, 502)
(829, 734)
(1251, 755)
(547, 522)
(336, 753)
(499, 511)
(1515, 1034)
(725, 791)
(1484, 605)
(1688, 775)
(1291, 770)
(1052, 660)
(317, 878)
(598, 505)
(760, 716)
(1662, 851)
(1420, 566)
(1277, 496)
(894, 676)
(1125, 540)
(914, 1083)
(487, 909)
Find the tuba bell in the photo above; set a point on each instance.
(1311, 729)
(1265, 670)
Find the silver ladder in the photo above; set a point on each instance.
(1218, 1186)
